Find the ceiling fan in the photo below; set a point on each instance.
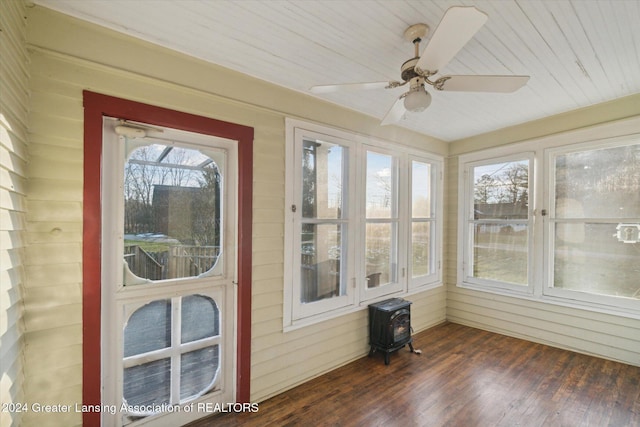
(458, 25)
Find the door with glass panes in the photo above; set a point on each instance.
(169, 267)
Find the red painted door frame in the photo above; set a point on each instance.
(96, 106)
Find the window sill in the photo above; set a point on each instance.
(363, 305)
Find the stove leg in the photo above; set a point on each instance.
(371, 351)
(386, 358)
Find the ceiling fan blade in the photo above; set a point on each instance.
(395, 113)
(353, 86)
(502, 84)
(458, 25)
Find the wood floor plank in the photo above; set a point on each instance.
(464, 377)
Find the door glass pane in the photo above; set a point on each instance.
(148, 328)
(501, 190)
(500, 252)
(380, 182)
(420, 248)
(148, 384)
(321, 254)
(198, 370)
(601, 183)
(322, 179)
(200, 318)
(381, 258)
(420, 190)
(172, 220)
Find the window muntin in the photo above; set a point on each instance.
(172, 212)
(498, 224)
(594, 224)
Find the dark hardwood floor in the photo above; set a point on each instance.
(464, 377)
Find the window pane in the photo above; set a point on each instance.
(197, 371)
(322, 180)
(381, 254)
(321, 253)
(598, 258)
(148, 328)
(420, 190)
(420, 248)
(601, 183)
(500, 252)
(501, 190)
(172, 212)
(200, 318)
(380, 181)
(148, 384)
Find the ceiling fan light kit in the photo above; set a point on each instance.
(458, 25)
(417, 99)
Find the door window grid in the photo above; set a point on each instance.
(159, 349)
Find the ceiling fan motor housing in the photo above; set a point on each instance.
(407, 71)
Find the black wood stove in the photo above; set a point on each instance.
(390, 326)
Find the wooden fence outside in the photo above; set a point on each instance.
(178, 261)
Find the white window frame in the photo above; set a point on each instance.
(357, 297)
(398, 205)
(550, 222)
(434, 220)
(317, 307)
(467, 219)
(543, 148)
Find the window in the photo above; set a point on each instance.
(594, 221)
(381, 223)
(357, 211)
(323, 221)
(570, 234)
(498, 223)
(423, 221)
(172, 213)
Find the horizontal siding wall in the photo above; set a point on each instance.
(69, 56)
(611, 337)
(604, 335)
(53, 301)
(14, 100)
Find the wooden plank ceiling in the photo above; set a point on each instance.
(577, 52)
